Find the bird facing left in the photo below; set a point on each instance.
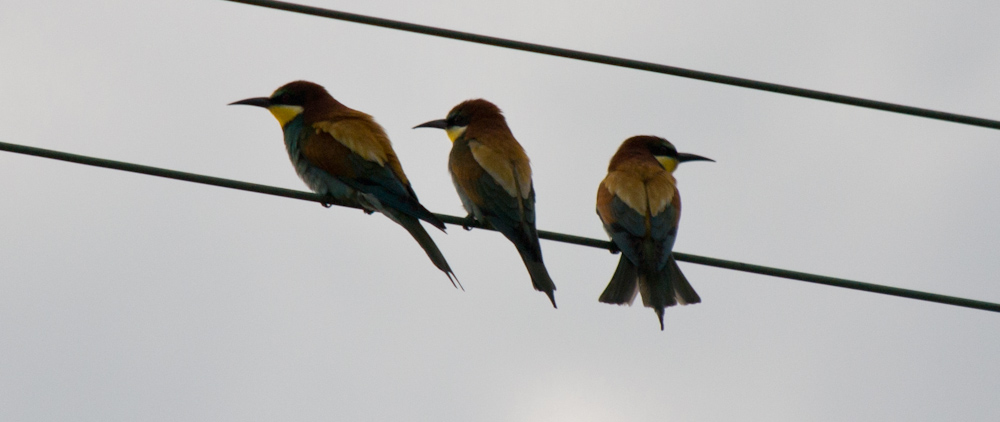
(492, 175)
(344, 153)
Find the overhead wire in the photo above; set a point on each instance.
(554, 236)
(622, 62)
(461, 221)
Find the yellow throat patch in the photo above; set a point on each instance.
(285, 113)
(454, 132)
(669, 163)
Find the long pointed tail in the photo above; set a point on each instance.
(540, 278)
(416, 230)
(666, 287)
(525, 239)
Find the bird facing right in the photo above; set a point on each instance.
(640, 207)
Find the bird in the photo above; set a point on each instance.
(344, 153)
(492, 175)
(640, 208)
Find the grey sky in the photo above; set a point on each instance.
(127, 297)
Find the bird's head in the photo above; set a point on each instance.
(661, 149)
(464, 114)
(290, 100)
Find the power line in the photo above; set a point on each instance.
(622, 62)
(558, 237)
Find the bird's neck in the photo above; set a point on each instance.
(333, 112)
(629, 158)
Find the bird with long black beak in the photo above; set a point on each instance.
(492, 175)
(344, 153)
(640, 207)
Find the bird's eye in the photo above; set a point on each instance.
(281, 97)
(666, 149)
(459, 120)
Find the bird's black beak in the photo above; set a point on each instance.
(259, 102)
(440, 124)
(683, 156)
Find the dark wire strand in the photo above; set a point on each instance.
(622, 62)
(558, 237)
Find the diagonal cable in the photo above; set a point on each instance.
(558, 237)
(622, 62)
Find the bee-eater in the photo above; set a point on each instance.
(640, 207)
(344, 153)
(492, 175)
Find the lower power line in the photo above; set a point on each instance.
(462, 221)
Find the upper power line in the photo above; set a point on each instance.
(622, 62)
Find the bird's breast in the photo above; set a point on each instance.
(465, 172)
(294, 135)
(317, 179)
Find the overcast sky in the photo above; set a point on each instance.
(126, 297)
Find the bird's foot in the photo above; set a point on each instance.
(614, 249)
(469, 222)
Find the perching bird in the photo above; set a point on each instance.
(344, 153)
(640, 207)
(493, 178)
